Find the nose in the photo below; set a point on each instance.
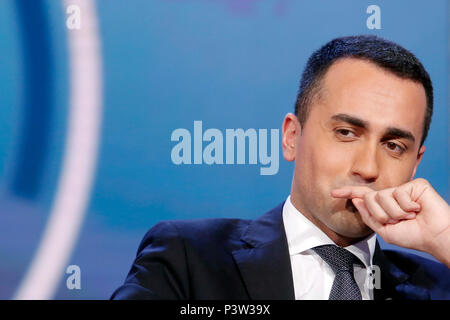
(365, 166)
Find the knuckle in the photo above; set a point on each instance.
(422, 181)
(379, 196)
(369, 196)
(398, 214)
(383, 195)
(380, 217)
(397, 192)
(384, 219)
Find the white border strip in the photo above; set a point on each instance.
(79, 162)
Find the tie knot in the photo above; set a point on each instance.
(339, 259)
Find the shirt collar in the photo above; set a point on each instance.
(303, 235)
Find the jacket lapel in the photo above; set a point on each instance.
(264, 261)
(264, 264)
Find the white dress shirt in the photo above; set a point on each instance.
(312, 276)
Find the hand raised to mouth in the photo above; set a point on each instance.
(412, 215)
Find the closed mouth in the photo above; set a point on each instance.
(350, 206)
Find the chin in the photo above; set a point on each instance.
(349, 224)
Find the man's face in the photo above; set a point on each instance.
(365, 129)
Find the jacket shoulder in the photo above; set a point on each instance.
(196, 231)
(425, 272)
(410, 262)
(168, 251)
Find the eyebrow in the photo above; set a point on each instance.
(400, 133)
(391, 132)
(357, 122)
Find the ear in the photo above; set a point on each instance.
(419, 158)
(290, 129)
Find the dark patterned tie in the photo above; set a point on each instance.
(341, 262)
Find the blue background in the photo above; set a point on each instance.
(231, 64)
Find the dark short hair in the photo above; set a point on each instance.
(386, 54)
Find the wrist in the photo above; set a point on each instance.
(439, 248)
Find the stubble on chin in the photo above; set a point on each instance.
(348, 224)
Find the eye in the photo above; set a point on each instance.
(346, 133)
(395, 147)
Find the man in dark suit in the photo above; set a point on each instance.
(362, 115)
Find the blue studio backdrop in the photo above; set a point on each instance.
(92, 94)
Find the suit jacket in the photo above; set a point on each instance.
(234, 259)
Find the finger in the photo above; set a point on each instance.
(402, 196)
(366, 216)
(350, 192)
(410, 216)
(375, 209)
(388, 203)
